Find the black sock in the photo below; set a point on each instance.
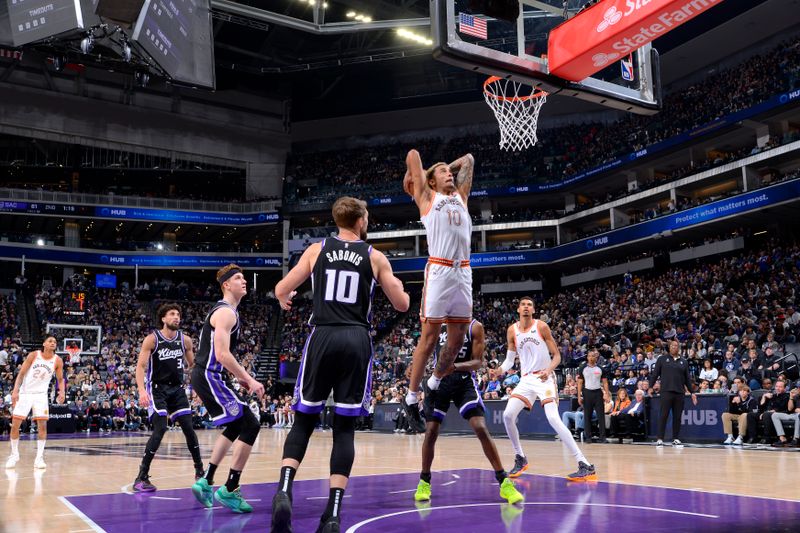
(425, 476)
(286, 480)
(334, 504)
(233, 480)
(500, 475)
(212, 469)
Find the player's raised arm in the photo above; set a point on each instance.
(464, 168)
(148, 345)
(415, 182)
(391, 286)
(284, 290)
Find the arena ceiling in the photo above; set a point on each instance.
(366, 70)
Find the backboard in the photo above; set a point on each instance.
(519, 51)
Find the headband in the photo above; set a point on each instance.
(229, 274)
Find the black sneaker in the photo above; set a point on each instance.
(142, 484)
(331, 525)
(415, 420)
(520, 465)
(585, 472)
(281, 513)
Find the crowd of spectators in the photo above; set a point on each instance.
(562, 151)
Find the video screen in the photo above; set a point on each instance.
(34, 20)
(177, 34)
(106, 281)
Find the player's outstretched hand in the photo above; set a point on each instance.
(286, 303)
(254, 387)
(144, 399)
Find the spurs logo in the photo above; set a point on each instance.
(610, 17)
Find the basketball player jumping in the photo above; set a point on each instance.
(338, 352)
(532, 341)
(460, 387)
(30, 394)
(214, 365)
(161, 389)
(447, 292)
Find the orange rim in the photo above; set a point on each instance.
(538, 94)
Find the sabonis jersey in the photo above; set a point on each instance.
(205, 357)
(464, 354)
(166, 360)
(343, 282)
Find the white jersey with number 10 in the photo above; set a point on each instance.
(448, 228)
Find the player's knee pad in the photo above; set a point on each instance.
(186, 426)
(551, 410)
(250, 428)
(297, 440)
(159, 428)
(344, 450)
(233, 430)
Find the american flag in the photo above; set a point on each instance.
(472, 25)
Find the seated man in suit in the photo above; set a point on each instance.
(629, 418)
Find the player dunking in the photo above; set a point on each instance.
(460, 387)
(159, 376)
(447, 292)
(532, 341)
(214, 364)
(338, 352)
(30, 394)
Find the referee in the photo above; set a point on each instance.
(591, 384)
(675, 383)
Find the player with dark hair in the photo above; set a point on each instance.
(461, 388)
(533, 342)
(338, 352)
(215, 363)
(159, 376)
(441, 198)
(30, 394)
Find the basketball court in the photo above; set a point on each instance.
(87, 487)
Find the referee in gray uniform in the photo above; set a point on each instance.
(591, 384)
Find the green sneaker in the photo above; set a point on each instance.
(510, 493)
(232, 500)
(203, 492)
(423, 493)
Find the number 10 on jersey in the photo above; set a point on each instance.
(342, 283)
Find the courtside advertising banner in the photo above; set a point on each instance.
(610, 30)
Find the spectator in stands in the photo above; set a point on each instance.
(792, 413)
(94, 416)
(741, 405)
(709, 373)
(621, 403)
(772, 402)
(628, 419)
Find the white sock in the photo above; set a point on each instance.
(40, 447)
(14, 446)
(551, 410)
(411, 398)
(513, 409)
(433, 382)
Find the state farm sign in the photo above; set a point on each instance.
(613, 28)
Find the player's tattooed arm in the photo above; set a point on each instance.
(464, 168)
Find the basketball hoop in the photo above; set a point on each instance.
(73, 350)
(516, 107)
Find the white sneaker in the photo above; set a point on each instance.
(677, 443)
(39, 463)
(729, 440)
(12, 461)
(659, 442)
(738, 441)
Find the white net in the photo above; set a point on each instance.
(516, 107)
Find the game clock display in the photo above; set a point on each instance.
(75, 303)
